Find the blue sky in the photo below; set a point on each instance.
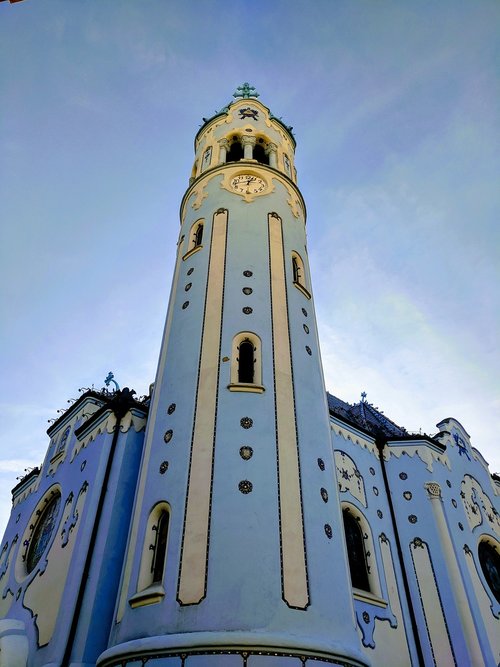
(395, 107)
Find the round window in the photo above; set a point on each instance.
(42, 533)
(490, 565)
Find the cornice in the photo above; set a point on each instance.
(270, 173)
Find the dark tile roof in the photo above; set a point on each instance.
(364, 415)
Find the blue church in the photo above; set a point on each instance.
(240, 516)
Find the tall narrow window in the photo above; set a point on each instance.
(150, 583)
(194, 238)
(160, 547)
(355, 552)
(198, 235)
(299, 274)
(246, 361)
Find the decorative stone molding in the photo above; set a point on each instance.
(349, 478)
(423, 451)
(433, 489)
(356, 437)
(478, 507)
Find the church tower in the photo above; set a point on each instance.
(236, 553)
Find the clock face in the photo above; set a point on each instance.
(248, 184)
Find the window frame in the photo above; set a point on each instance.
(194, 244)
(374, 593)
(489, 542)
(151, 588)
(299, 274)
(235, 384)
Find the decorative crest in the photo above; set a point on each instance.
(245, 91)
(109, 379)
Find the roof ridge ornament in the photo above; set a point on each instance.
(110, 378)
(245, 91)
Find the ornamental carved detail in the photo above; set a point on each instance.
(349, 478)
(433, 489)
(478, 507)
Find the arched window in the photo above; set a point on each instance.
(259, 153)
(195, 238)
(299, 274)
(150, 585)
(198, 235)
(43, 531)
(235, 152)
(355, 552)
(489, 558)
(39, 534)
(160, 547)
(296, 270)
(246, 363)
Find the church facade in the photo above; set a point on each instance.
(239, 515)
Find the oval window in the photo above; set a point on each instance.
(490, 565)
(43, 532)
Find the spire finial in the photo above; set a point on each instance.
(363, 396)
(245, 91)
(110, 378)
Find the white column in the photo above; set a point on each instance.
(272, 151)
(248, 143)
(223, 148)
(457, 585)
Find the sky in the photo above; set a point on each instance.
(395, 108)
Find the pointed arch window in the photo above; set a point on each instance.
(150, 585)
(489, 559)
(246, 363)
(355, 552)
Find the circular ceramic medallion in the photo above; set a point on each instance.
(246, 452)
(245, 486)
